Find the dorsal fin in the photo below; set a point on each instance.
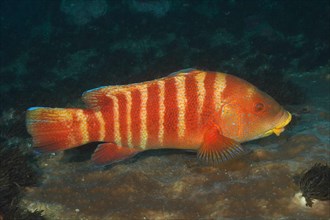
(183, 72)
(95, 98)
(101, 96)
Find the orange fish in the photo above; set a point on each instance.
(192, 109)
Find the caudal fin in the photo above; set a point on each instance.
(54, 129)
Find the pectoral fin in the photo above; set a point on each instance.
(217, 148)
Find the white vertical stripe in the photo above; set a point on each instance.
(116, 120)
(143, 116)
(69, 117)
(219, 86)
(181, 101)
(100, 119)
(161, 86)
(128, 96)
(82, 120)
(200, 93)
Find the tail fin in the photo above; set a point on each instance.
(54, 129)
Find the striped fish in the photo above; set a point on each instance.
(206, 111)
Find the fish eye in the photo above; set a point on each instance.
(259, 107)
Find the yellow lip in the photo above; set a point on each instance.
(280, 128)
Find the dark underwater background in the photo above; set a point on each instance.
(51, 51)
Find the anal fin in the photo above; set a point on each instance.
(109, 152)
(217, 148)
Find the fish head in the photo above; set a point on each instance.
(248, 113)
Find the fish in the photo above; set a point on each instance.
(212, 113)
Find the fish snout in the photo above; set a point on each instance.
(284, 121)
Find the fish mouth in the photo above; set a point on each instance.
(284, 121)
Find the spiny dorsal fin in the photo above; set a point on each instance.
(182, 72)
